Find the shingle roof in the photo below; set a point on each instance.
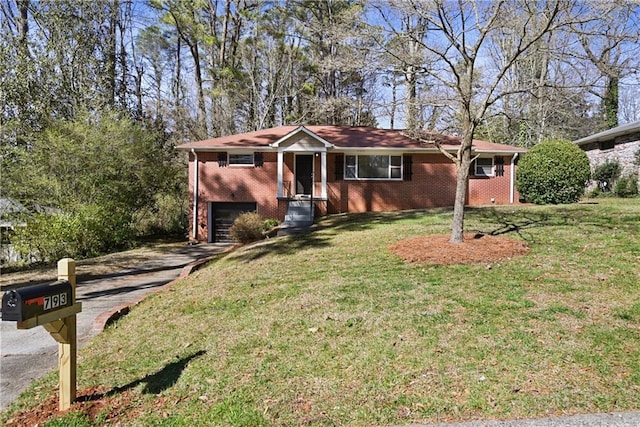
(345, 137)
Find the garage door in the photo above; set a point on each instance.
(221, 217)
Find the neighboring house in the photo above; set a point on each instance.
(292, 172)
(620, 144)
(9, 210)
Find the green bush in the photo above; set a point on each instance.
(270, 223)
(596, 192)
(606, 174)
(87, 231)
(247, 228)
(168, 216)
(111, 177)
(627, 186)
(554, 171)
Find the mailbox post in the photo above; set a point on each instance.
(54, 307)
(64, 331)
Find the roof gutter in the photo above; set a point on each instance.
(195, 195)
(610, 134)
(512, 179)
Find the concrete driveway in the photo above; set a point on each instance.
(29, 354)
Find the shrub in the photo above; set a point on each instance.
(627, 186)
(247, 228)
(596, 192)
(270, 223)
(606, 174)
(554, 171)
(168, 216)
(86, 231)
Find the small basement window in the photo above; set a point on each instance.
(607, 145)
(484, 166)
(241, 159)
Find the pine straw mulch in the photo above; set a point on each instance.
(476, 249)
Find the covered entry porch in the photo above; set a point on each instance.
(306, 155)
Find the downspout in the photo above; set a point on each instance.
(512, 179)
(195, 195)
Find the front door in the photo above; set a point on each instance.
(304, 173)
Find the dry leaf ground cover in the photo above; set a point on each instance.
(89, 268)
(335, 328)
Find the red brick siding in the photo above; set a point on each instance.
(433, 185)
(483, 189)
(234, 184)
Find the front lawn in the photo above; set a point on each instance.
(331, 328)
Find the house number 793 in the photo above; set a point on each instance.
(54, 301)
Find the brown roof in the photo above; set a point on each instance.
(346, 137)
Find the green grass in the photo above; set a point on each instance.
(331, 328)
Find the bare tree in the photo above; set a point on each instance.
(404, 56)
(610, 41)
(459, 40)
(338, 53)
(545, 95)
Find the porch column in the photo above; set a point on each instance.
(323, 168)
(280, 171)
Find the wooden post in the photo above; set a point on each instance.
(67, 345)
(61, 325)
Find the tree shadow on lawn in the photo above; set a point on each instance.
(506, 222)
(161, 380)
(320, 234)
(363, 221)
(494, 221)
(281, 246)
(155, 383)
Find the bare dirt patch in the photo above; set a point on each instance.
(476, 249)
(89, 402)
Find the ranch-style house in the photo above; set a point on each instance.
(292, 173)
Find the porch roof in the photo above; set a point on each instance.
(345, 137)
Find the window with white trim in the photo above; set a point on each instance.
(373, 167)
(484, 166)
(240, 159)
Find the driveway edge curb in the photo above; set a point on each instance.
(110, 316)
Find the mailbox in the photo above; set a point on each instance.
(31, 301)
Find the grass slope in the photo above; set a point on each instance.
(331, 329)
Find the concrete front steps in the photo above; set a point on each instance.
(299, 217)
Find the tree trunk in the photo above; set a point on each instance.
(412, 110)
(111, 55)
(223, 40)
(177, 83)
(124, 67)
(23, 28)
(394, 100)
(202, 109)
(610, 102)
(462, 184)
